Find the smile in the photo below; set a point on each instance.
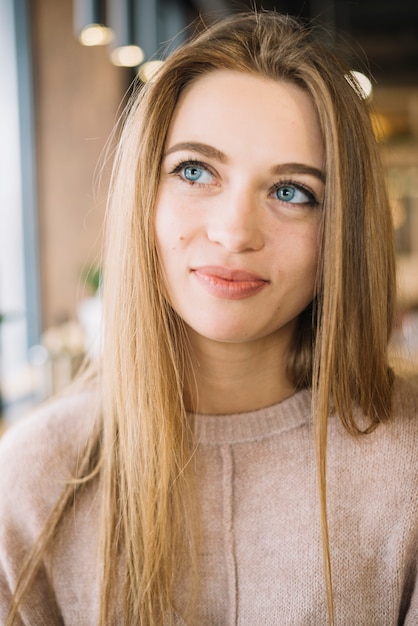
(229, 284)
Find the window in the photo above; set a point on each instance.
(19, 276)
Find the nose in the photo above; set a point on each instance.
(236, 223)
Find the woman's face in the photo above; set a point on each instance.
(239, 207)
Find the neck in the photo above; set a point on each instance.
(235, 378)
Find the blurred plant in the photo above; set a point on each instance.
(93, 277)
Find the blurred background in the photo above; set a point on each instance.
(67, 67)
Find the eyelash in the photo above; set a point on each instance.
(313, 201)
(283, 183)
(190, 163)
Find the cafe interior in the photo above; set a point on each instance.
(68, 69)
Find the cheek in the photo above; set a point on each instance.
(311, 270)
(165, 232)
(161, 226)
(311, 244)
(312, 253)
(170, 244)
(301, 249)
(170, 226)
(298, 266)
(311, 263)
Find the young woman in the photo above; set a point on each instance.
(244, 455)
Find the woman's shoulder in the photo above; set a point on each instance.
(38, 458)
(38, 455)
(394, 442)
(59, 423)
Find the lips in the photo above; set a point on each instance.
(231, 284)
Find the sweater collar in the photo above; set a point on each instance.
(241, 427)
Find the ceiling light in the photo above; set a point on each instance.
(95, 35)
(148, 70)
(90, 23)
(127, 56)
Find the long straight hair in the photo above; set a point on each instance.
(144, 444)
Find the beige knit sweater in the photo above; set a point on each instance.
(261, 561)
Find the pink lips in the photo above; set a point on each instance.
(230, 284)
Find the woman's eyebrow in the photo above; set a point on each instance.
(298, 168)
(202, 148)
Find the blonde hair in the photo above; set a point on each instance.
(144, 446)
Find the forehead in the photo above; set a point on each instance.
(225, 107)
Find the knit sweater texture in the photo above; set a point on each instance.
(261, 553)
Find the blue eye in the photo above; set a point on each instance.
(193, 173)
(294, 195)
